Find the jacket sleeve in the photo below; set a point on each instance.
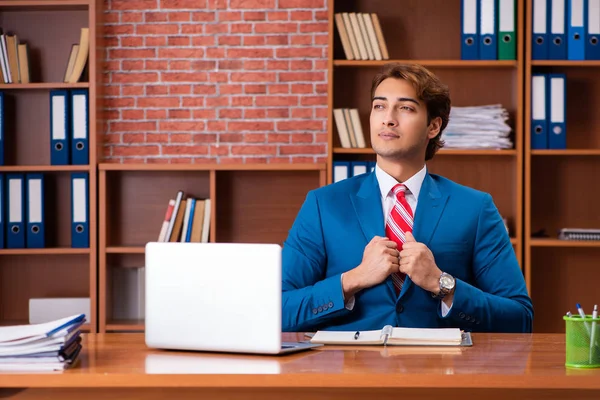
(309, 297)
(498, 300)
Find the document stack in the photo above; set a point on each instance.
(51, 346)
(478, 127)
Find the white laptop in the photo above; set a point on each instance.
(223, 297)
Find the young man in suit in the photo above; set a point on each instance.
(400, 246)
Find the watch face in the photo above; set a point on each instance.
(447, 281)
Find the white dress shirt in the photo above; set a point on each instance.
(413, 184)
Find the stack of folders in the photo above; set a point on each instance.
(349, 128)
(565, 30)
(186, 220)
(548, 111)
(361, 36)
(484, 39)
(478, 127)
(69, 127)
(51, 346)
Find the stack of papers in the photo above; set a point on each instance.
(51, 346)
(478, 127)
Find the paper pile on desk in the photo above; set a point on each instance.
(478, 127)
(51, 346)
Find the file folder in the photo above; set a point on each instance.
(539, 45)
(79, 127)
(507, 34)
(576, 30)
(558, 20)
(59, 125)
(341, 170)
(80, 233)
(359, 167)
(15, 232)
(469, 48)
(592, 43)
(539, 125)
(557, 129)
(2, 206)
(2, 116)
(488, 46)
(35, 236)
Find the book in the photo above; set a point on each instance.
(396, 337)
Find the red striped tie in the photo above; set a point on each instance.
(399, 221)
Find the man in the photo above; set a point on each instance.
(400, 246)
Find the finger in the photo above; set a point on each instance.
(409, 237)
(406, 260)
(390, 244)
(394, 260)
(392, 252)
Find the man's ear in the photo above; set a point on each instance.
(434, 127)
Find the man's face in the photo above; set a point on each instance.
(399, 127)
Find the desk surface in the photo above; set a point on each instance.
(496, 360)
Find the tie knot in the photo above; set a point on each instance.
(399, 190)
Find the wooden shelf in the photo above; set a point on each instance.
(44, 168)
(45, 251)
(211, 167)
(430, 63)
(567, 152)
(43, 85)
(565, 63)
(126, 250)
(120, 325)
(453, 152)
(543, 242)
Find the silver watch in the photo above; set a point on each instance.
(447, 283)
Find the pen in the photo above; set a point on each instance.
(582, 315)
(593, 334)
(356, 335)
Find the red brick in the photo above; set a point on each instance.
(255, 16)
(217, 28)
(157, 16)
(230, 64)
(205, 89)
(278, 16)
(157, 29)
(153, 41)
(154, 160)
(133, 4)
(217, 4)
(253, 77)
(112, 114)
(322, 40)
(112, 91)
(321, 15)
(132, 114)
(204, 138)
(181, 160)
(203, 41)
(178, 126)
(202, 160)
(255, 113)
(277, 101)
(154, 90)
(231, 160)
(254, 65)
(279, 89)
(157, 138)
(278, 64)
(180, 89)
(233, 113)
(132, 41)
(215, 53)
(276, 27)
(314, 100)
(235, 126)
(134, 77)
(255, 138)
(303, 125)
(302, 149)
(192, 4)
(133, 138)
(320, 64)
(168, 102)
(217, 101)
(203, 16)
(209, 113)
(156, 114)
(230, 89)
(242, 101)
(321, 88)
(241, 28)
(132, 53)
(180, 16)
(219, 150)
(278, 138)
(257, 160)
(110, 17)
(302, 112)
(321, 137)
(299, 52)
(249, 53)
(254, 150)
(131, 90)
(278, 113)
(180, 65)
(217, 126)
(301, 76)
(247, 4)
(184, 150)
(230, 40)
(302, 40)
(305, 65)
(254, 40)
(159, 65)
(302, 88)
(180, 53)
(319, 27)
(184, 77)
(113, 138)
(278, 40)
(230, 16)
(180, 138)
(138, 126)
(111, 41)
(193, 29)
(301, 3)
(217, 77)
(303, 138)
(129, 150)
(301, 16)
(178, 41)
(255, 89)
(231, 137)
(119, 30)
(180, 114)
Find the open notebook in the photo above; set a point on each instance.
(397, 337)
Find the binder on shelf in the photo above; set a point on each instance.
(59, 125)
(2, 206)
(360, 167)
(469, 46)
(35, 236)
(507, 33)
(576, 30)
(80, 233)
(592, 42)
(488, 46)
(557, 46)
(539, 38)
(557, 129)
(2, 130)
(15, 232)
(341, 170)
(539, 125)
(79, 114)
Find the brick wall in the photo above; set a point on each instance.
(197, 81)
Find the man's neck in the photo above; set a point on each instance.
(400, 170)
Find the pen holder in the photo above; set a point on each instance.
(582, 342)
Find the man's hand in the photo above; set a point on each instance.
(380, 259)
(416, 261)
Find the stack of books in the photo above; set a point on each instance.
(51, 346)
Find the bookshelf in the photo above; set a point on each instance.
(49, 27)
(251, 203)
(427, 32)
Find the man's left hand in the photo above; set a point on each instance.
(416, 261)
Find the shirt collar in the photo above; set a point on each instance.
(387, 182)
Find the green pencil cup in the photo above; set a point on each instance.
(582, 341)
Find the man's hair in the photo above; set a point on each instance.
(429, 89)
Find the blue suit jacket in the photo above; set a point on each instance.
(460, 225)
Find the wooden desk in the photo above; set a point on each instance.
(119, 366)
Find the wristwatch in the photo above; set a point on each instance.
(447, 283)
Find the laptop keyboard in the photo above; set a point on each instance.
(287, 347)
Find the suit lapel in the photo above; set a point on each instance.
(429, 210)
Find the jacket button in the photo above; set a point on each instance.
(315, 311)
(330, 304)
(462, 315)
(320, 309)
(399, 307)
(325, 307)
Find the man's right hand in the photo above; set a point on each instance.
(380, 259)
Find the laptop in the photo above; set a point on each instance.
(222, 297)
